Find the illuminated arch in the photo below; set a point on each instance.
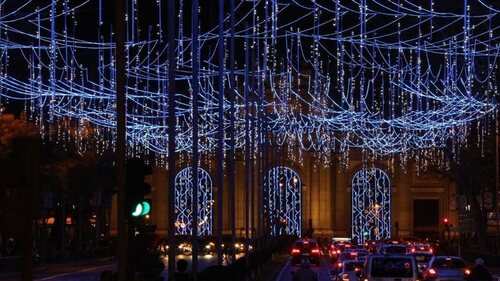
(283, 198)
(184, 202)
(371, 205)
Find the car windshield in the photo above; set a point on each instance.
(448, 263)
(392, 267)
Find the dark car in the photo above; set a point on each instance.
(337, 248)
(446, 268)
(393, 249)
(305, 248)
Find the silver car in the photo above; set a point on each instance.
(351, 271)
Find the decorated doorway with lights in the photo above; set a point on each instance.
(371, 205)
(283, 201)
(184, 202)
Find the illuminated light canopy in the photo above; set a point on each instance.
(283, 198)
(371, 205)
(184, 202)
(387, 76)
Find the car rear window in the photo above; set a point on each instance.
(448, 263)
(352, 266)
(395, 250)
(422, 257)
(310, 244)
(391, 267)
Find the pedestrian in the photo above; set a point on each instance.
(304, 273)
(181, 274)
(479, 272)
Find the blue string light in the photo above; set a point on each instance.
(283, 197)
(389, 77)
(184, 202)
(371, 205)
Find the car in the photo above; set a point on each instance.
(421, 247)
(337, 247)
(422, 259)
(306, 248)
(390, 267)
(392, 249)
(351, 271)
(446, 268)
(373, 248)
(344, 256)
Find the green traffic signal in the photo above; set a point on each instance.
(141, 209)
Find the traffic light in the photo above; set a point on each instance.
(137, 188)
(141, 209)
(446, 223)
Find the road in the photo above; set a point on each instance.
(323, 271)
(91, 271)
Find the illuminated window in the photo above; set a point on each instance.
(371, 205)
(283, 196)
(184, 202)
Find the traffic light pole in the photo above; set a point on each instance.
(123, 272)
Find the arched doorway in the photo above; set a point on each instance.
(283, 201)
(184, 202)
(371, 205)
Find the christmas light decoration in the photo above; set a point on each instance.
(371, 205)
(184, 202)
(388, 77)
(283, 198)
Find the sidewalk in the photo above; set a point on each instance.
(48, 266)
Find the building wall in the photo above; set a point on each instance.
(326, 198)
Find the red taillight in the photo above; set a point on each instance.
(339, 265)
(413, 250)
(467, 272)
(338, 251)
(432, 272)
(295, 251)
(315, 251)
(431, 251)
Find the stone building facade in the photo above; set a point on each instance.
(418, 201)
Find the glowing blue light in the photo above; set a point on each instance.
(392, 77)
(283, 198)
(371, 205)
(184, 202)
